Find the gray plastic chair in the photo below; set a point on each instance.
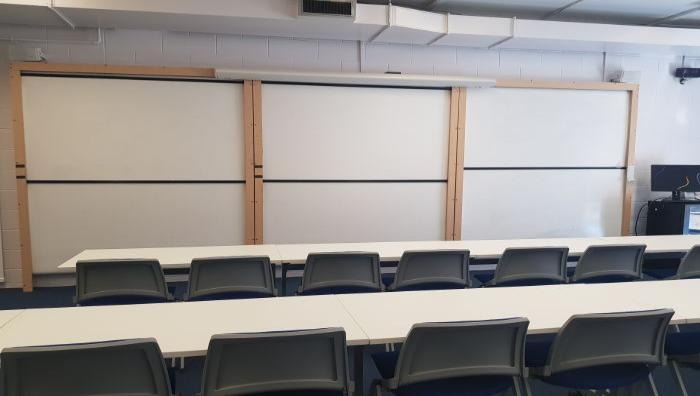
(689, 267)
(531, 266)
(610, 263)
(230, 277)
(129, 367)
(432, 269)
(262, 363)
(448, 357)
(132, 281)
(597, 351)
(344, 272)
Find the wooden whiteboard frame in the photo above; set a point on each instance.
(632, 89)
(16, 70)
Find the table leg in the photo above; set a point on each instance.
(359, 370)
(284, 279)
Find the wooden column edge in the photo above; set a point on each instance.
(630, 163)
(459, 168)
(451, 165)
(258, 160)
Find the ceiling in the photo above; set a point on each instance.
(670, 13)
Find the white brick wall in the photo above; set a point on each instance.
(667, 111)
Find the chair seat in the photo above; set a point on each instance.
(304, 393)
(465, 386)
(431, 286)
(530, 282)
(608, 279)
(683, 343)
(601, 377)
(484, 276)
(230, 296)
(660, 273)
(338, 290)
(123, 300)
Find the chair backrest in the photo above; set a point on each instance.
(306, 360)
(128, 367)
(610, 338)
(120, 282)
(230, 277)
(610, 263)
(432, 269)
(690, 265)
(435, 351)
(524, 266)
(345, 272)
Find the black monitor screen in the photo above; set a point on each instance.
(675, 178)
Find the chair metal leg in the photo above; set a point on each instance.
(678, 377)
(516, 386)
(526, 385)
(652, 386)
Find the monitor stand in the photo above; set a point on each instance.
(677, 196)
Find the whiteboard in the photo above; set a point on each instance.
(542, 203)
(523, 127)
(353, 212)
(332, 132)
(65, 219)
(125, 129)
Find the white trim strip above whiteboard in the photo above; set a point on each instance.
(376, 79)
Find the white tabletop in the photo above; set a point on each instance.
(175, 257)
(6, 316)
(180, 257)
(181, 329)
(388, 317)
(391, 251)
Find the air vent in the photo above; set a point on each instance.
(343, 8)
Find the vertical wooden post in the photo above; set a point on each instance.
(21, 174)
(258, 165)
(629, 162)
(451, 165)
(455, 165)
(249, 163)
(459, 167)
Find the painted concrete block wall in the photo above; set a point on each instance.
(667, 111)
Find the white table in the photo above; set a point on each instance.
(388, 317)
(181, 329)
(483, 249)
(174, 257)
(180, 257)
(8, 315)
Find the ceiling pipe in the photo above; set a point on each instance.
(389, 19)
(61, 15)
(513, 22)
(561, 9)
(442, 35)
(672, 17)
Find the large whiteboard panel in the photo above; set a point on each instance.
(68, 218)
(103, 129)
(523, 127)
(542, 203)
(328, 132)
(353, 212)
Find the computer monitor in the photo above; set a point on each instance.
(675, 178)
